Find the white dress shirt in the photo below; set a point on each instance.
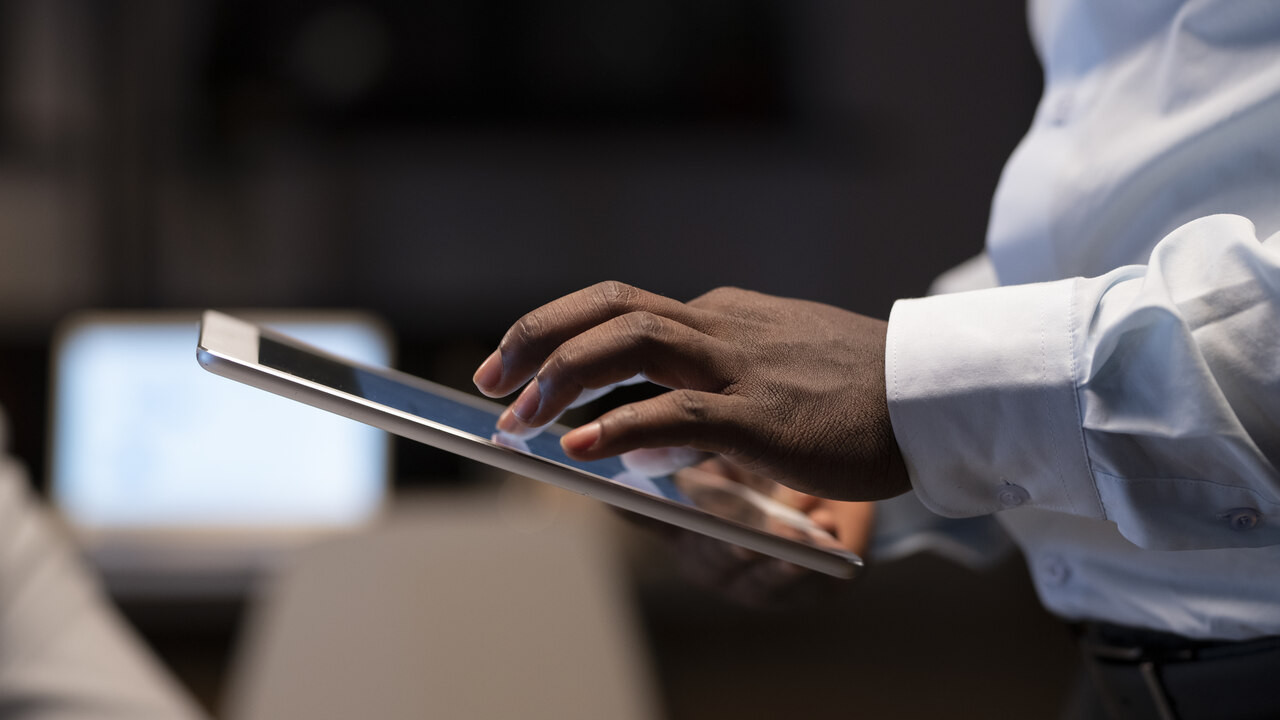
(1117, 401)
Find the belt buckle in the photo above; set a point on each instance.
(1104, 657)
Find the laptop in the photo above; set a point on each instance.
(178, 482)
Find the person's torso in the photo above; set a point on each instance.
(1155, 112)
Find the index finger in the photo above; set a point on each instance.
(528, 343)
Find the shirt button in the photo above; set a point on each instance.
(1011, 496)
(1060, 113)
(1242, 518)
(1054, 570)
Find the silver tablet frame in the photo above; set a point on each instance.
(229, 347)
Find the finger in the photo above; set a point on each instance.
(587, 396)
(639, 343)
(514, 442)
(746, 577)
(854, 521)
(700, 420)
(824, 517)
(511, 425)
(803, 502)
(765, 582)
(721, 465)
(532, 338)
(710, 562)
(742, 575)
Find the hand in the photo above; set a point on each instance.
(789, 389)
(761, 581)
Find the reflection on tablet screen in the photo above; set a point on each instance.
(705, 491)
(446, 411)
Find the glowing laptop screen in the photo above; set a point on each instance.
(143, 437)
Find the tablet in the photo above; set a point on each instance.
(466, 425)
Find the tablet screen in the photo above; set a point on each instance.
(443, 410)
(696, 489)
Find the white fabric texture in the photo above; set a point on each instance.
(1117, 401)
(64, 653)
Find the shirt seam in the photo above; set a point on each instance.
(1075, 396)
(1047, 380)
(895, 373)
(1190, 481)
(893, 390)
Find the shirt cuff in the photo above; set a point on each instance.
(982, 397)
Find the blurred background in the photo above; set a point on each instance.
(448, 166)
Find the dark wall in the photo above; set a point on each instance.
(452, 165)
(485, 156)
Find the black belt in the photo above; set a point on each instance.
(1143, 674)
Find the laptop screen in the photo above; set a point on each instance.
(143, 438)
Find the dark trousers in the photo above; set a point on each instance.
(1139, 674)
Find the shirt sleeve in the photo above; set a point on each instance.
(64, 653)
(1149, 396)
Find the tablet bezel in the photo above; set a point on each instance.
(228, 347)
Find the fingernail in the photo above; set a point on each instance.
(511, 425)
(581, 439)
(490, 372)
(526, 405)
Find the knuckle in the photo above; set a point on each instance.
(642, 325)
(562, 372)
(721, 295)
(526, 331)
(557, 367)
(615, 296)
(623, 418)
(691, 406)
